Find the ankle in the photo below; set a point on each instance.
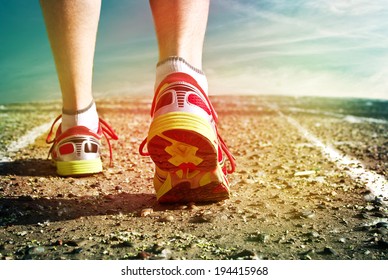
(87, 117)
(175, 64)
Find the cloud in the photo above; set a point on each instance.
(300, 47)
(348, 7)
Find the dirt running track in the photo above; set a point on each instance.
(294, 195)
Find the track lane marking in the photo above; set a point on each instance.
(375, 183)
(24, 141)
(347, 118)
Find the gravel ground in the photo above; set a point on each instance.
(288, 201)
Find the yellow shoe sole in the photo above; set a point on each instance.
(79, 167)
(182, 140)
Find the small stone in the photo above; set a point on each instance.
(146, 212)
(307, 214)
(36, 250)
(259, 237)
(192, 206)
(168, 218)
(263, 238)
(313, 234)
(369, 207)
(166, 254)
(342, 240)
(224, 217)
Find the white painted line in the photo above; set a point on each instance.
(376, 183)
(347, 118)
(24, 141)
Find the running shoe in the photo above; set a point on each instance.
(184, 143)
(76, 151)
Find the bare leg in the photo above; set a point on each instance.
(180, 28)
(182, 140)
(72, 28)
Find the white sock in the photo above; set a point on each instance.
(87, 117)
(178, 64)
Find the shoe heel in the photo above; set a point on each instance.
(79, 167)
(182, 140)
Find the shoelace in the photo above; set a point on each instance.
(106, 129)
(231, 158)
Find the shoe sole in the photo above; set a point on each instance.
(194, 186)
(183, 142)
(183, 193)
(78, 167)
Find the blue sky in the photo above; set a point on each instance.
(301, 47)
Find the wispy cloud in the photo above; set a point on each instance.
(349, 7)
(301, 47)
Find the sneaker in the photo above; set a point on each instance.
(76, 151)
(184, 144)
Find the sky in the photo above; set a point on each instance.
(280, 47)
